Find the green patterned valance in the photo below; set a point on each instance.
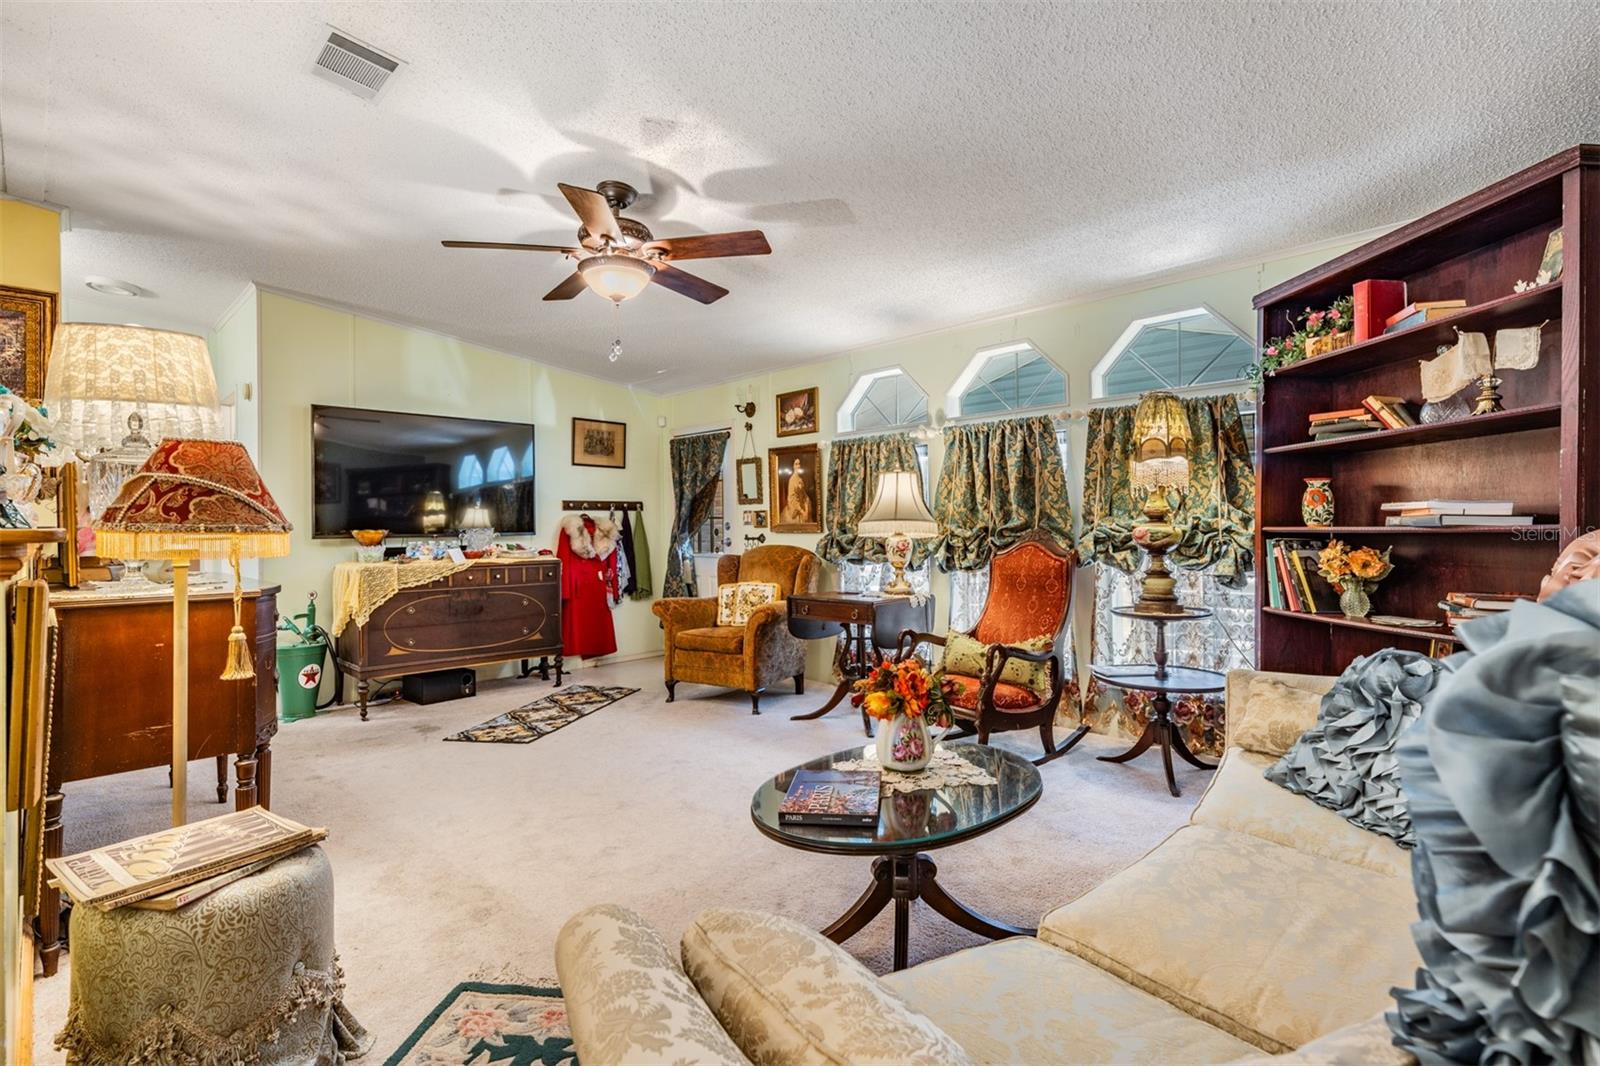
(1215, 516)
(999, 482)
(854, 465)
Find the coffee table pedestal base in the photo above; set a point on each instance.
(1162, 729)
(900, 879)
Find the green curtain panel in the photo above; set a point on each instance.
(696, 466)
(854, 465)
(999, 482)
(1215, 517)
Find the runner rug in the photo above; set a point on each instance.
(544, 716)
(481, 1022)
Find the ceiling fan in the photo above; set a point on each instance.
(617, 257)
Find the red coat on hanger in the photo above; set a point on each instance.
(587, 550)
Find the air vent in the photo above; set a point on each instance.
(351, 65)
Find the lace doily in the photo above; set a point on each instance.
(361, 588)
(946, 768)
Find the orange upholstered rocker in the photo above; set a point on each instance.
(1030, 595)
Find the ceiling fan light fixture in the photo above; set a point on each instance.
(616, 277)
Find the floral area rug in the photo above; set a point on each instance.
(485, 1024)
(544, 716)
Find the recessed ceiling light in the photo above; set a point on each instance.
(113, 287)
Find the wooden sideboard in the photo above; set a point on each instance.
(491, 612)
(112, 706)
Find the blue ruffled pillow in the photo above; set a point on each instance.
(1346, 762)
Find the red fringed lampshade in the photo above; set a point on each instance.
(194, 499)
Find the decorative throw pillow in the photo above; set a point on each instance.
(1346, 762)
(1501, 778)
(788, 994)
(1273, 716)
(736, 601)
(965, 655)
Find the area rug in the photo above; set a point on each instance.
(544, 716)
(484, 1024)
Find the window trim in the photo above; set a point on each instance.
(844, 416)
(969, 375)
(1097, 376)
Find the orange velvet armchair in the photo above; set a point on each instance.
(752, 656)
(1030, 594)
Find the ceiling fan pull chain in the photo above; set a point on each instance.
(616, 345)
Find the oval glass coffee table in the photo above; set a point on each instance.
(910, 824)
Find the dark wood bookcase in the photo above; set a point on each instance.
(1543, 452)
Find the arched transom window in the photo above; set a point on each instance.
(883, 399)
(1182, 350)
(1010, 377)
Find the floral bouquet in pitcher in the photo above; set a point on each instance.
(907, 699)
(1355, 572)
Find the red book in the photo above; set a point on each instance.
(1373, 303)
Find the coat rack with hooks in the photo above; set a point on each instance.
(602, 505)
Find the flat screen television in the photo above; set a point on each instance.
(418, 475)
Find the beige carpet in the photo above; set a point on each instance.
(455, 860)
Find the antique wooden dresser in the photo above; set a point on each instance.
(491, 612)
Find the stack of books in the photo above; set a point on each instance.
(1461, 606)
(832, 797)
(1419, 311)
(1453, 513)
(1392, 411)
(1293, 583)
(1326, 425)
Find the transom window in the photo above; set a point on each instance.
(1177, 351)
(501, 466)
(883, 399)
(1012, 377)
(470, 473)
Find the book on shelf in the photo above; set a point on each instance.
(1485, 601)
(1371, 303)
(1343, 426)
(1390, 410)
(1318, 593)
(176, 858)
(832, 797)
(1419, 311)
(1334, 416)
(1423, 520)
(1475, 507)
(1293, 583)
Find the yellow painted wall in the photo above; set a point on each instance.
(314, 354)
(30, 246)
(1075, 336)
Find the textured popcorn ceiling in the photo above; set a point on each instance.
(914, 166)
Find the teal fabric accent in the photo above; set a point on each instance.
(1500, 776)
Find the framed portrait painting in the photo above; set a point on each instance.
(596, 442)
(27, 325)
(795, 488)
(797, 412)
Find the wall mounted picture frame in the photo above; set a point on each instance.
(747, 480)
(27, 326)
(596, 442)
(795, 474)
(755, 519)
(797, 412)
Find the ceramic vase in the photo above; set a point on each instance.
(1316, 502)
(1353, 599)
(904, 744)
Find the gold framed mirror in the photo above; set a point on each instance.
(747, 477)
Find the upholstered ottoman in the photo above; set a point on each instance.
(245, 975)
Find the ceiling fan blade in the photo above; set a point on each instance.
(686, 284)
(511, 247)
(713, 245)
(567, 289)
(593, 211)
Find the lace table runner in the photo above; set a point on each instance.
(361, 588)
(947, 768)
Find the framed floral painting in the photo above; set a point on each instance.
(27, 325)
(797, 412)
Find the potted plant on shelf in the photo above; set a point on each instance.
(1317, 333)
(1355, 572)
(907, 699)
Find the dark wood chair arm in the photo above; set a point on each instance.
(995, 664)
(910, 638)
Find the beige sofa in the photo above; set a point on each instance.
(1266, 926)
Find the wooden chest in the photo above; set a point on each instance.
(491, 612)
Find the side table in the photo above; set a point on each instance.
(862, 618)
(1163, 681)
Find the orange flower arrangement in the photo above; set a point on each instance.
(902, 688)
(1342, 564)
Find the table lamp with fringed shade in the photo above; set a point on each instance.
(898, 515)
(1160, 464)
(195, 499)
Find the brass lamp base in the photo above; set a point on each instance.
(1156, 537)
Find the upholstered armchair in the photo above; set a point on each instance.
(1030, 596)
(749, 657)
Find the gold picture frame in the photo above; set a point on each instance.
(796, 411)
(747, 480)
(596, 442)
(27, 327)
(795, 475)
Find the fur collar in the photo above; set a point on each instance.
(598, 546)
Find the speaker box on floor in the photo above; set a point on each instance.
(439, 686)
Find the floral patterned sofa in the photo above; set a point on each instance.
(1267, 928)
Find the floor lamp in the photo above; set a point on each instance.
(195, 499)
